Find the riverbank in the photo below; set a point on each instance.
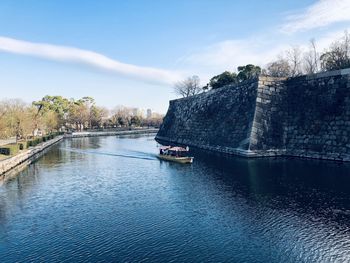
(27, 156)
(8, 141)
(110, 133)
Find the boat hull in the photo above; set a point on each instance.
(176, 159)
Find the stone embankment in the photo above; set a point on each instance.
(27, 156)
(110, 133)
(7, 141)
(307, 116)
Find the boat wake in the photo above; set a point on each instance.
(143, 156)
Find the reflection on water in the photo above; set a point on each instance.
(109, 199)
(133, 154)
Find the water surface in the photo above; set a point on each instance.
(109, 199)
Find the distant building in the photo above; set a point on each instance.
(149, 113)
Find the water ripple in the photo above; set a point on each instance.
(110, 200)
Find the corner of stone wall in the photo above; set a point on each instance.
(267, 108)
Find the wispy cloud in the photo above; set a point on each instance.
(258, 50)
(263, 48)
(229, 54)
(320, 14)
(90, 58)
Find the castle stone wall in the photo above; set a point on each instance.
(219, 120)
(307, 116)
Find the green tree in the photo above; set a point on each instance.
(97, 116)
(56, 104)
(78, 115)
(87, 104)
(249, 71)
(223, 79)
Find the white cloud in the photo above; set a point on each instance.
(265, 47)
(90, 58)
(320, 14)
(260, 50)
(230, 54)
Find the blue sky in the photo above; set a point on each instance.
(131, 52)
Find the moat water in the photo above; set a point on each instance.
(109, 199)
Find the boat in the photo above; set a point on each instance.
(175, 154)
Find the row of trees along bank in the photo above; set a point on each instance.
(56, 113)
(291, 63)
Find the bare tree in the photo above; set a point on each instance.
(279, 68)
(121, 115)
(338, 54)
(311, 58)
(188, 87)
(315, 54)
(16, 118)
(293, 56)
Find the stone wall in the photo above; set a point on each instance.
(308, 116)
(218, 120)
